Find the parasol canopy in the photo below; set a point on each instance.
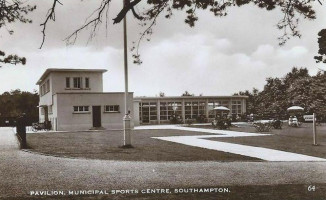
(221, 108)
(295, 109)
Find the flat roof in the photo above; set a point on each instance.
(93, 93)
(49, 70)
(190, 97)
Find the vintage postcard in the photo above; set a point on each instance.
(163, 99)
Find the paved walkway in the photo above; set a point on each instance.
(8, 140)
(22, 172)
(256, 152)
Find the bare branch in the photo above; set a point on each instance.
(136, 15)
(291, 9)
(148, 31)
(12, 11)
(94, 22)
(49, 16)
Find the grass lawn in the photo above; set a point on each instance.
(105, 145)
(291, 139)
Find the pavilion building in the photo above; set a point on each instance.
(159, 110)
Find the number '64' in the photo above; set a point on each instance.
(311, 188)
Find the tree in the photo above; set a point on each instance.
(296, 88)
(322, 47)
(318, 91)
(10, 12)
(11, 59)
(251, 101)
(154, 8)
(16, 102)
(16, 10)
(186, 93)
(310, 92)
(162, 94)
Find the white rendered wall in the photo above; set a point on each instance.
(58, 84)
(136, 113)
(46, 99)
(59, 81)
(68, 120)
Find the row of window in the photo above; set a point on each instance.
(81, 108)
(107, 108)
(168, 109)
(149, 110)
(77, 83)
(45, 87)
(194, 109)
(85, 109)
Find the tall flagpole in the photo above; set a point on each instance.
(126, 118)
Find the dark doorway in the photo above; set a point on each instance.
(46, 113)
(97, 116)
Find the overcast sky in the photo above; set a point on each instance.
(219, 56)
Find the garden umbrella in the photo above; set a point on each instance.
(221, 108)
(295, 109)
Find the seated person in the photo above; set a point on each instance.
(293, 121)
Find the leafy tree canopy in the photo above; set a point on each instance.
(295, 88)
(12, 11)
(186, 93)
(16, 102)
(16, 10)
(162, 94)
(291, 10)
(322, 47)
(11, 59)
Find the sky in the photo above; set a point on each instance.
(219, 56)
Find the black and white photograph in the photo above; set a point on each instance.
(163, 99)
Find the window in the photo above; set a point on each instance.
(236, 107)
(67, 82)
(163, 111)
(111, 108)
(145, 112)
(188, 110)
(77, 82)
(50, 110)
(211, 112)
(225, 104)
(86, 82)
(41, 90)
(202, 108)
(153, 111)
(140, 112)
(174, 108)
(81, 109)
(47, 86)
